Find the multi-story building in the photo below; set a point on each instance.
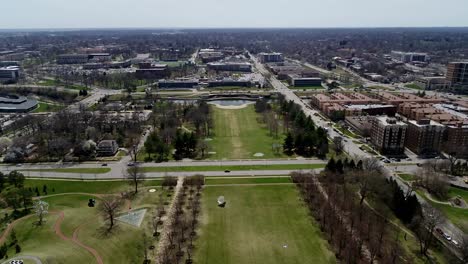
(270, 57)
(407, 57)
(424, 137)
(9, 74)
(230, 66)
(432, 83)
(178, 83)
(297, 80)
(457, 74)
(72, 59)
(388, 135)
(399, 98)
(107, 148)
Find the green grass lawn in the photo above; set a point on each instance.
(238, 135)
(260, 224)
(345, 131)
(369, 149)
(413, 86)
(234, 168)
(45, 107)
(123, 245)
(250, 180)
(49, 82)
(406, 177)
(75, 170)
(100, 187)
(454, 192)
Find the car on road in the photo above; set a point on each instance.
(447, 237)
(131, 164)
(227, 171)
(455, 243)
(439, 231)
(19, 165)
(104, 165)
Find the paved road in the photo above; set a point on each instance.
(120, 175)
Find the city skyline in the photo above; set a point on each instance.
(52, 14)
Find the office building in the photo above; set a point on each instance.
(297, 80)
(16, 104)
(408, 57)
(107, 148)
(270, 57)
(432, 83)
(388, 135)
(230, 66)
(424, 137)
(457, 74)
(9, 74)
(178, 83)
(72, 59)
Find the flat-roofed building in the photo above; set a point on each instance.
(457, 75)
(432, 83)
(72, 59)
(107, 148)
(9, 74)
(270, 57)
(399, 98)
(16, 104)
(424, 137)
(361, 124)
(297, 80)
(370, 109)
(409, 56)
(230, 66)
(388, 135)
(178, 83)
(157, 71)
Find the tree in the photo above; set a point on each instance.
(288, 145)
(425, 227)
(338, 144)
(109, 207)
(13, 238)
(16, 178)
(41, 208)
(17, 249)
(135, 175)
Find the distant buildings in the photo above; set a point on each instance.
(408, 57)
(457, 75)
(9, 74)
(153, 72)
(230, 66)
(398, 98)
(178, 83)
(107, 148)
(388, 135)
(83, 58)
(16, 104)
(270, 57)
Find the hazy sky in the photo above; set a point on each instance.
(233, 13)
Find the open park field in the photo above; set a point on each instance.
(73, 232)
(238, 135)
(260, 224)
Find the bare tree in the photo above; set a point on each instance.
(425, 227)
(41, 208)
(338, 144)
(135, 175)
(109, 207)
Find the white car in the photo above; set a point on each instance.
(455, 243)
(449, 238)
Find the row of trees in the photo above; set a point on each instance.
(354, 230)
(183, 223)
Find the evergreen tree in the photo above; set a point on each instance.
(339, 166)
(288, 145)
(331, 165)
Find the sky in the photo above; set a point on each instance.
(21, 14)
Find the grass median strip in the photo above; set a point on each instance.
(77, 186)
(235, 168)
(74, 170)
(250, 180)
